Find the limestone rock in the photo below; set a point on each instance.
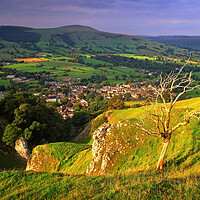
(98, 149)
(109, 144)
(39, 161)
(21, 147)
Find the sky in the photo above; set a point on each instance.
(132, 17)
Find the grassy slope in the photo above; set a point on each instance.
(133, 113)
(138, 151)
(63, 157)
(190, 42)
(151, 185)
(125, 180)
(84, 40)
(183, 151)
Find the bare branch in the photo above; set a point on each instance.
(162, 114)
(187, 120)
(147, 131)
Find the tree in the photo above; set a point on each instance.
(81, 95)
(78, 107)
(65, 90)
(127, 96)
(31, 118)
(161, 117)
(80, 118)
(116, 102)
(11, 134)
(116, 77)
(69, 104)
(2, 88)
(64, 101)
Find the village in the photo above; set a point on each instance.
(136, 91)
(76, 93)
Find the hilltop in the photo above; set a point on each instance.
(18, 42)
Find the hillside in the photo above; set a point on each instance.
(62, 157)
(144, 186)
(119, 146)
(189, 42)
(130, 171)
(23, 42)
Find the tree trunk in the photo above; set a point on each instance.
(162, 155)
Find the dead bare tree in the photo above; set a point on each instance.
(161, 116)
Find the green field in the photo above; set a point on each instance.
(64, 69)
(138, 57)
(82, 40)
(59, 43)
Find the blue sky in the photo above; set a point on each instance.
(133, 17)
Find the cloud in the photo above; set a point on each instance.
(124, 16)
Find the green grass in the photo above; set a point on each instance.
(95, 61)
(126, 114)
(145, 186)
(183, 151)
(87, 41)
(61, 70)
(138, 57)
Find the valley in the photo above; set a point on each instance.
(79, 97)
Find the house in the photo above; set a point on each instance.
(51, 98)
(84, 102)
(68, 112)
(10, 77)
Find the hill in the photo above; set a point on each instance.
(189, 42)
(119, 146)
(130, 171)
(24, 42)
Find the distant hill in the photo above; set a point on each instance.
(190, 42)
(18, 42)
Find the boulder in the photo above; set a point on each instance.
(21, 147)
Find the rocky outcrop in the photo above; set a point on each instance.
(65, 157)
(40, 157)
(21, 147)
(106, 147)
(100, 156)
